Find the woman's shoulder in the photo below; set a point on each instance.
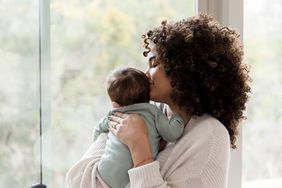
(202, 153)
(204, 148)
(207, 126)
(205, 134)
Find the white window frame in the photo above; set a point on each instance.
(229, 13)
(45, 58)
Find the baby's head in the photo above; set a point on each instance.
(127, 86)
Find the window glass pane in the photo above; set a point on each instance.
(88, 39)
(19, 99)
(262, 146)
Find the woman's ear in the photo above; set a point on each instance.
(115, 104)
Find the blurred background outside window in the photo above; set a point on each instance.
(19, 100)
(262, 132)
(88, 39)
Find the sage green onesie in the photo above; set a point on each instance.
(116, 161)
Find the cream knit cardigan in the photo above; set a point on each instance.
(199, 159)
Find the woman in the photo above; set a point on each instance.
(195, 69)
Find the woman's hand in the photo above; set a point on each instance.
(129, 128)
(132, 131)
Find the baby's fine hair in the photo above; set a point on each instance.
(128, 86)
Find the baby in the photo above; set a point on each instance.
(129, 90)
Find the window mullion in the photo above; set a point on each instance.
(44, 7)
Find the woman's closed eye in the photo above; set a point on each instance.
(153, 62)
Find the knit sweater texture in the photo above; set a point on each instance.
(199, 159)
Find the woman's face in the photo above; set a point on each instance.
(160, 86)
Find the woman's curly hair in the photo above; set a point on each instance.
(204, 62)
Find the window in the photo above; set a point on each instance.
(262, 154)
(19, 98)
(87, 40)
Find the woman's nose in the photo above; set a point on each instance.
(147, 72)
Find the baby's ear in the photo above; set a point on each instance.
(115, 104)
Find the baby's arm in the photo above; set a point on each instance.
(170, 129)
(103, 126)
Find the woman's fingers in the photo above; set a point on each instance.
(114, 120)
(121, 125)
(120, 115)
(114, 131)
(113, 126)
(117, 117)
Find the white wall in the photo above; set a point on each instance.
(228, 13)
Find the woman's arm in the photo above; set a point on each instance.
(84, 174)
